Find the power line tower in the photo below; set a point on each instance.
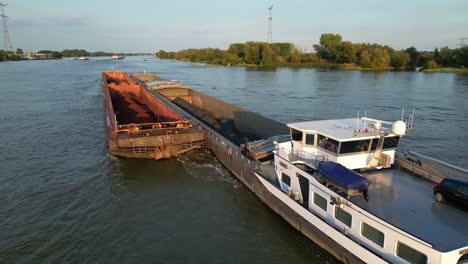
(6, 36)
(270, 24)
(462, 41)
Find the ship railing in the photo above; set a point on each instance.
(154, 129)
(151, 126)
(303, 156)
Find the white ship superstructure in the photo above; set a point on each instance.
(384, 211)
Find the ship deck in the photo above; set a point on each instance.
(406, 201)
(130, 108)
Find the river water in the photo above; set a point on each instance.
(63, 198)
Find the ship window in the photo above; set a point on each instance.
(409, 254)
(372, 234)
(451, 185)
(310, 139)
(374, 143)
(328, 143)
(463, 189)
(320, 201)
(286, 179)
(296, 135)
(344, 217)
(391, 142)
(354, 146)
(283, 165)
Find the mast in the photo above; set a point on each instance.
(270, 24)
(6, 36)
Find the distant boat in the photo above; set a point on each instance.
(117, 57)
(83, 58)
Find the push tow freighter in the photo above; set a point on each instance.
(335, 181)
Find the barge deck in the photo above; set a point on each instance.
(406, 201)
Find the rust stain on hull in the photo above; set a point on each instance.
(140, 125)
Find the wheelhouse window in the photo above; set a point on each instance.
(410, 254)
(373, 234)
(328, 143)
(374, 143)
(320, 201)
(286, 179)
(296, 135)
(310, 139)
(354, 146)
(391, 142)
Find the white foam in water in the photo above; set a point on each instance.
(201, 165)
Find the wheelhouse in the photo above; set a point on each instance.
(355, 143)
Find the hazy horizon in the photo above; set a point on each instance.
(148, 26)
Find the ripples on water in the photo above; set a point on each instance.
(64, 198)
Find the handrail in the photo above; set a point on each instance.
(301, 155)
(152, 126)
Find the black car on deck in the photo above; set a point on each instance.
(452, 189)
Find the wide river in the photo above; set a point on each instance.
(63, 198)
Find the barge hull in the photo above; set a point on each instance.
(228, 129)
(139, 125)
(243, 168)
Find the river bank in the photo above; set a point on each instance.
(447, 70)
(331, 53)
(334, 66)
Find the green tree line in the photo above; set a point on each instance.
(8, 56)
(249, 53)
(331, 51)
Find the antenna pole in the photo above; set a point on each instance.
(270, 24)
(6, 36)
(462, 41)
(412, 118)
(357, 121)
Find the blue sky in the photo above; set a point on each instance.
(147, 26)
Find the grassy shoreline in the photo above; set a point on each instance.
(337, 66)
(327, 66)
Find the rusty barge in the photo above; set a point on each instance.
(140, 126)
(263, 154)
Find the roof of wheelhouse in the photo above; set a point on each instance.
(340, 129)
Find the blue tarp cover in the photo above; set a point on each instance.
(343, 176)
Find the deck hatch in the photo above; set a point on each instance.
(373, 234)
(343, 216)
(409, 254)
(320, 201)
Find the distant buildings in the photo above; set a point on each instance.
(29, 55)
